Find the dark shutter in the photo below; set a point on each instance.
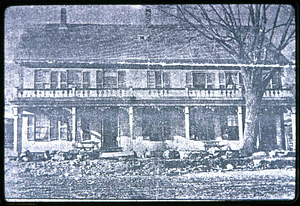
(158, 79)
(99, 79)
(188, 79)
(241, 81)
(121, 79)
(166, 79)
(86, 79)
(54, 80)
(63, 80)
(151, 79)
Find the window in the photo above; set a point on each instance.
(110, 79)
(42, 131)
(231, 80)
(53, 129)
(276, 81)
(74, 79)
(63, 130)
(154, 79)
(222, 80)
(30, 128)
(229, 127)
(99, 79)
(210, 78)
(54, 80)
(42, 79)
(232, 120)
(199, 80)
(85, 126)
(86, 79)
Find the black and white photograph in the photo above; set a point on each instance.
(192, 102)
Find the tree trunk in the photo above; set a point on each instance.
(252, 110)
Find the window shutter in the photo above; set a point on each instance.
(166, 79)
(241, 81)
(188, 79)
(158, 79)
(99, 79)
(63, 80)
(121, 79)
(86, 79)
(151, 79)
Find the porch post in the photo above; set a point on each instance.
(73, 124)
(279, 133)
(131, 121)
(187, 124)
(240, 123)
(17, 131)
(293, 116)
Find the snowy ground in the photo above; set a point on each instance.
(125, 180)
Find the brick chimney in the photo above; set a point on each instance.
(63, 17)
(148, 17)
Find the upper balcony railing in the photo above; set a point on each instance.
(146, 93)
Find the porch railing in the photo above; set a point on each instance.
(145, 93)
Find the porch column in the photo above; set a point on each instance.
(17, 131)
(293, 116)
(187, 123)
(279, 133)
(73, 124)
(131, 122)
(240, 123)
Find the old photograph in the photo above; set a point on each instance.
(150, 103)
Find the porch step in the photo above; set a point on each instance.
(111, 149)
(108, 155)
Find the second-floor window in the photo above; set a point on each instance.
(228, 80)
(45, 79)
(200, 80)
(111, 79)
(158, 79)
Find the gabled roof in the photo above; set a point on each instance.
(114, 43)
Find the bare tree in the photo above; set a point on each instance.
(252, 35)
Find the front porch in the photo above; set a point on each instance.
(142, 129)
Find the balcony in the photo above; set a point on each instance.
(146, 93)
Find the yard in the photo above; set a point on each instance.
(143, 179)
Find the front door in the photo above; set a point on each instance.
(110, 129)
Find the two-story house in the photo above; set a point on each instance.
(135, 88)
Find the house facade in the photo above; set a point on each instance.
(135, 88)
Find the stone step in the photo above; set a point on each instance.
(115, 154)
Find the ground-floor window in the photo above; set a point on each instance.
(207, 125)
(156, 125)
(42, 130)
